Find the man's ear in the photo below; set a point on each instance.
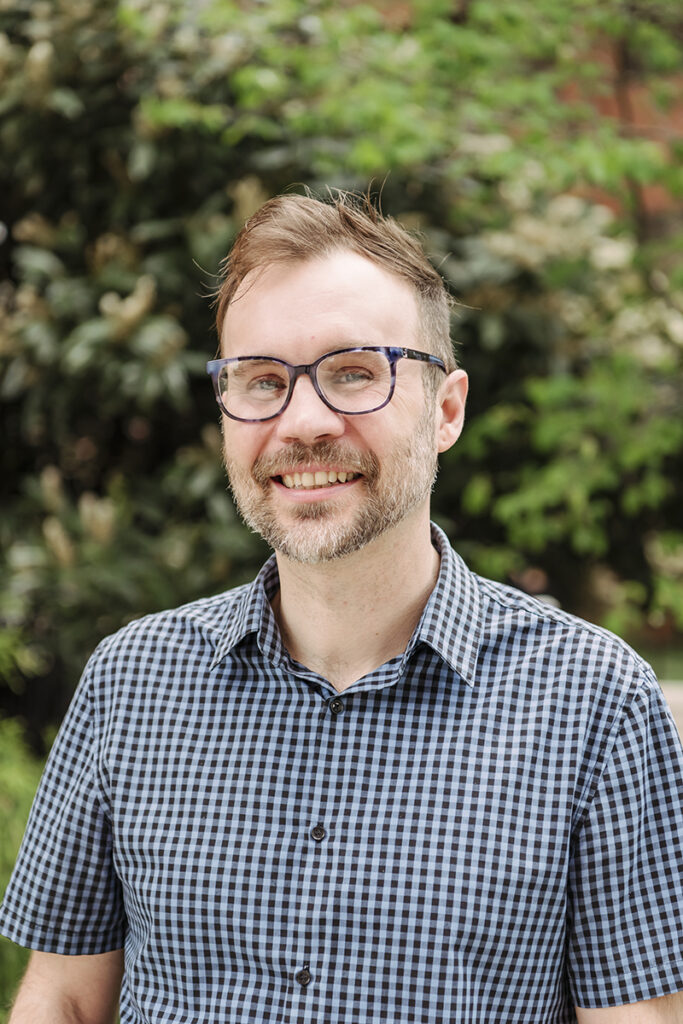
(450, 411)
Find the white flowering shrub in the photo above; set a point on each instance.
(136, 136)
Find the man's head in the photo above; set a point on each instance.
(295, 292)
(293, 229)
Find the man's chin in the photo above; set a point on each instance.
(314, 535)
(310, 533)
(315, 512)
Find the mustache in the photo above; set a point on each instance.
(288, 459)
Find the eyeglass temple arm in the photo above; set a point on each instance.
(423, 357)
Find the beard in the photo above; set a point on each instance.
(320, 531)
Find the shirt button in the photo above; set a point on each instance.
(303, 977)
(318, 833)
(336, 706)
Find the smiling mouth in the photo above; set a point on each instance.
(310, 481)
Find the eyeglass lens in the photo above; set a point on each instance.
(352, 382)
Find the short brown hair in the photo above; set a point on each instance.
(292, 228)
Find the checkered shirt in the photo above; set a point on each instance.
(487, 828)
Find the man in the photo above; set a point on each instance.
(370, 786)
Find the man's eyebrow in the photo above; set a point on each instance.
(246, 362)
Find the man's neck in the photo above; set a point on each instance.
(347, 617)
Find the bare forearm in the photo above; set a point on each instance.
(69, 989)
(33, 1007)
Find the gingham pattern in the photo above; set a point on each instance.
(488, 828)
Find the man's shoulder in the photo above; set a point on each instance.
(198, 623)
(557, 640)
(578, 676)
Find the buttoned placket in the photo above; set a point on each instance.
(320, 860)
(338, 712)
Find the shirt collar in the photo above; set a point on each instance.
(251, 613)
(450, 622)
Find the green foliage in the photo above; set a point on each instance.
(19, 774)
(135, 139)
(588, 451)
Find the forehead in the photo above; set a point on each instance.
(318, 305)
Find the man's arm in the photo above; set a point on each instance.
(665, 1010)
(69, 989)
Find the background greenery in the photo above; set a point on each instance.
(137, 136)
(19, 774)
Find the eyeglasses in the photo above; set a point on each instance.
(351, 381)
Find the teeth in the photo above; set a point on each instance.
(321, 478)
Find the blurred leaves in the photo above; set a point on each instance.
(136, 137)
(19, 775)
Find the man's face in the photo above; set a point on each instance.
(298, 312)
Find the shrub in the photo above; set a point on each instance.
(19, 775)
(135, 138)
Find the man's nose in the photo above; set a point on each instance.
(307, 418)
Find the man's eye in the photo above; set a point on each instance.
(350, 375)
(266, 386)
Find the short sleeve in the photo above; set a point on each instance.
(64, 896)
(625, 912)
